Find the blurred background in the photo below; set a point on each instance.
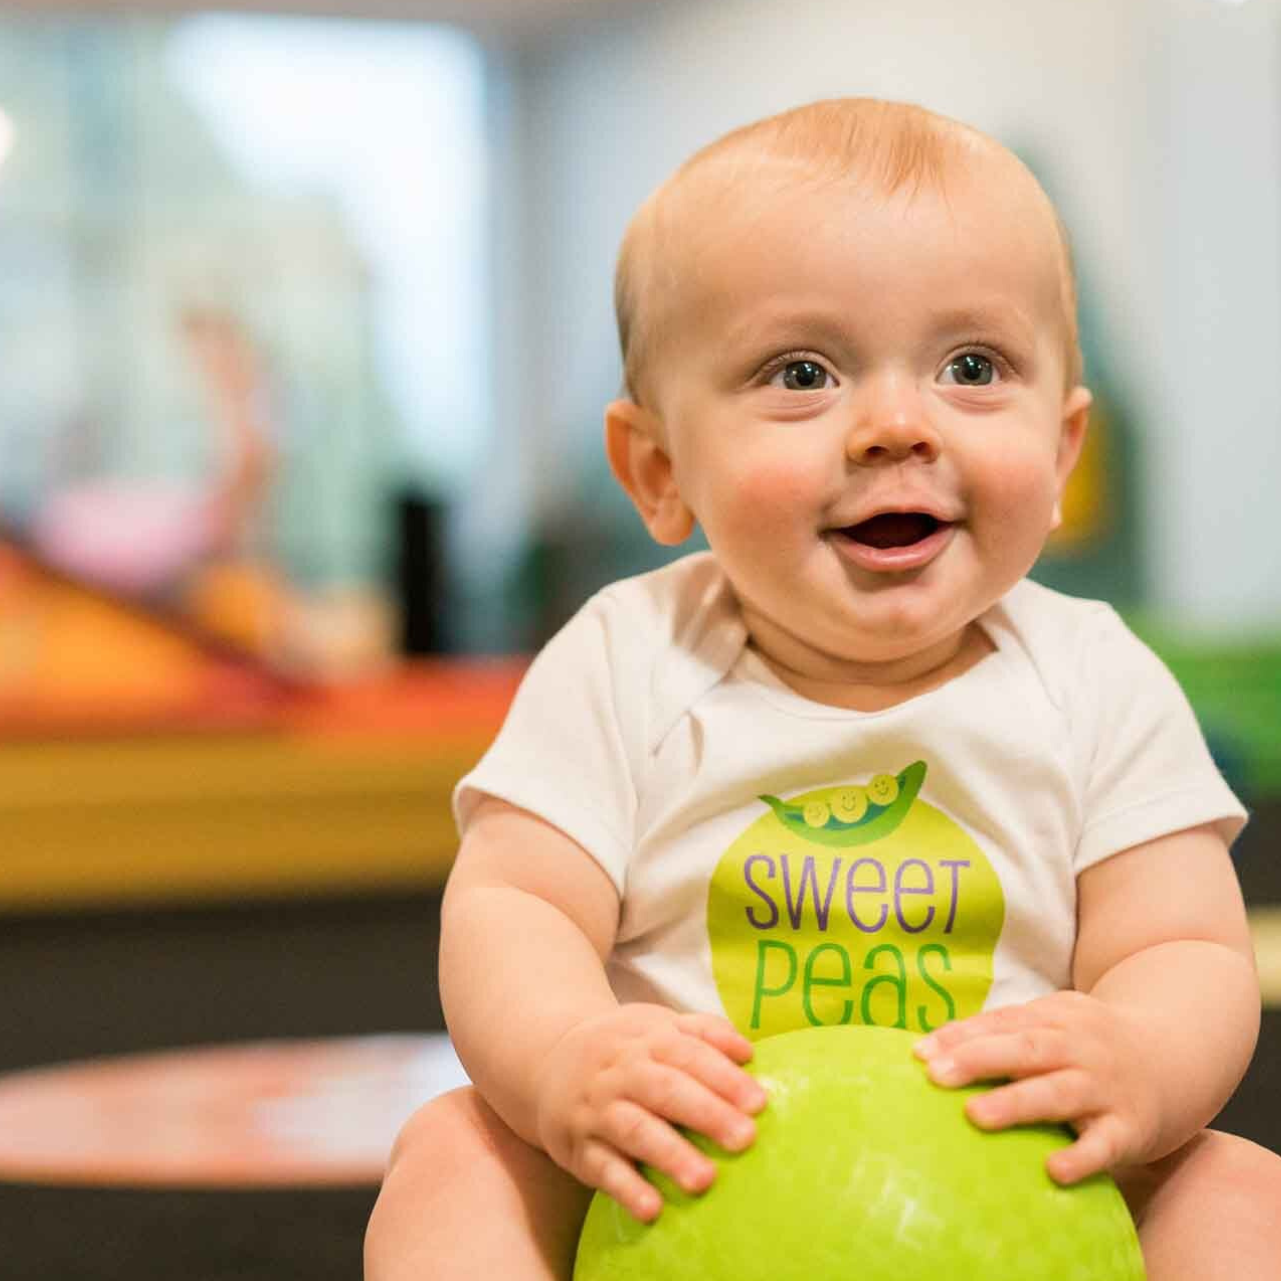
(306, 328)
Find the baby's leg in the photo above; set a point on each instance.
(464, 1197)
(1210, 1211)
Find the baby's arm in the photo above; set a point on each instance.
(1159, 1029)
(528, 920)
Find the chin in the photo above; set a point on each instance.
(906, 623)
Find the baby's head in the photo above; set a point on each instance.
(850, 350)
(882, 148)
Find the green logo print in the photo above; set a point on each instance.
(853, 904)
(854, 815)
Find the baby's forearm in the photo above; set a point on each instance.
(515, 975)
(1200, 1001)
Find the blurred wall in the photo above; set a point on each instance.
(1216, 185)
(1153, 123)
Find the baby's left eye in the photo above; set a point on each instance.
(972, 369)
(802, 375)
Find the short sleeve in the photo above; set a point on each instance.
(1147, 769)
(573, 740)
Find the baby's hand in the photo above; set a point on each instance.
(614, 1087)
(1070, 1057)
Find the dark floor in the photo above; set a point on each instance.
(83, 986)
(98, 1234)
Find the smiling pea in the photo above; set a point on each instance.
(849, 804)
(883, 789)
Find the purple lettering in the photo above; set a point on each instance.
(809, 875)
(955, 864)
(756, 889)
(851, 889)
(900, 890)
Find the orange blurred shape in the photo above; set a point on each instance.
(448, 698)
(72, 657)
(240, 603)
(66, 646)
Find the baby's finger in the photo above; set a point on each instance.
(706, 1064)
(1006, 1019)
(1057, 1096)
(602, 1167)
(1099, 1147)
(644, 1137)
(1029, 1052)
(718, 1032)
(677, 1096)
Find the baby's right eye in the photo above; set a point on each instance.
(802, 375)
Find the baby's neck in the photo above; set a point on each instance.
(875, 686)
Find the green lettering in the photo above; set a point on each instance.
(926, 1025)
(898, 981)
(761, 990)
(813, 980)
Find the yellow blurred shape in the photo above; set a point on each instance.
(1086, 498)
(1265, 927)
(187, 818)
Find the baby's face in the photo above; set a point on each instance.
(864, 404)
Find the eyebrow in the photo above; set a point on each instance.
(756, 330)
(1003, 317)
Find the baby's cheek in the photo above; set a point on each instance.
(771, 496)
(1017, 494)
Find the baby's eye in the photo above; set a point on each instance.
(972, 369)
(802, 375)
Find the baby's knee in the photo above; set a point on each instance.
(431, 1151)
(1215, 1174)
(464, 1195)
(1242, 1171)
(1209, 1210)
(440, 1134)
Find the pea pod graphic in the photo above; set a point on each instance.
(870, 812)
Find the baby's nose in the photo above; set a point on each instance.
(890, 423)
(893, 439)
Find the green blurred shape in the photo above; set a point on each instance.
(1235, 687)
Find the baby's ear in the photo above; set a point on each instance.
(1075, 422)
(643, 467)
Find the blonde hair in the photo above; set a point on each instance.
(889, 146)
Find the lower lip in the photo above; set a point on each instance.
(892, 560)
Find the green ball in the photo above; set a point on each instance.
(865, 1169)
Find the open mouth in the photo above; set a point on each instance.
(894, 529)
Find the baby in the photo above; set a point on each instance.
(850, 766)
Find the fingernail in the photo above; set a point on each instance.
(925, 1047)
(740, 1135)
(943, 1069)
(981, 1112)
(647, 1210)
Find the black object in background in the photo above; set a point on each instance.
(420, 573)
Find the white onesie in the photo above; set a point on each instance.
(788, 863)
